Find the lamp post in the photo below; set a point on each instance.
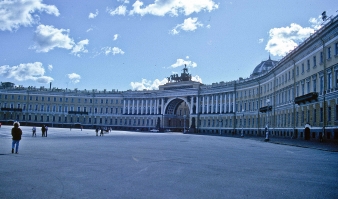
(267, 121)
(184, 116)
(242, 133)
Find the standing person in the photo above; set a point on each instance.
(43, 130)
(97, 131)
(33, 131)
(16, 134)
(46, 129)
(101, 132)
(81, 128)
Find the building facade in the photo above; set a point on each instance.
(295, 97)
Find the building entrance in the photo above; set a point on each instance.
(176, 115)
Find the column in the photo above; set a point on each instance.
(124, 106)
(146, 106)
(133, 110)
(220, 103)
(137, 102)
(157, 100)
(208, 104)
(203, 105)
(212, 104)
(225, 102)
(142, 107)
(162, 106)
(197, 105)
(128, 106)
(217, 103)
(229, 102)
(234, 101)
(191, 104)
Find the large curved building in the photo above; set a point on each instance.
(295, 97)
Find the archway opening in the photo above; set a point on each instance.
(176, 116)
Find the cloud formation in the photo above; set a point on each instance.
(29, 71)
(189, 24)
(93, 15)
(173, 7)
(283, 40)
(182, 62)
(47, 38)
(148, 84)
(112, 50)
(115, 37)
(121, 10)
(16, 13)
(74, 78)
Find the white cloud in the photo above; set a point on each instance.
(80, 47)
(92, 15)
(112, 50)
(208, 26)
(196, 78)
(182, 62)
(173, 7)
(74, 78)
(283, 40)
(29, 71)
(121, 10)
(16, 13)
(90, 29)
(115, 37)
(260, 40)
(50, 67)
(47, 38)
(189, 24)
(123, 1)
(148, 84)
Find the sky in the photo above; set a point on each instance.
(137, 44)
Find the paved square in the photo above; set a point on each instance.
(78, 164)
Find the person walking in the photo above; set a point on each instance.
(16, 136)
(101, 132)
(33, 131)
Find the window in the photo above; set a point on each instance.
(321, 84)
(314, 82)
(308, 86)
(60, 99)
(336, 48)
(329, 114)
(308, 65)
(36, 98)
(297, 71)
(48, 99)
(79, 100)
(329, 81)
(321, 57)
(302, 68)
(329, 53)
(314, 61)
(66, 99)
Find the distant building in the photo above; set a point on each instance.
(296, 97)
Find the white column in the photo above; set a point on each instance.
(162, 106)
(191, 104)
(157, 106)
(225, 102)
(216, 103)
(128, 106)
(212, 104)
(234, 104)
(208, 104)
(220, 103)
(124, 106)
(137, 102)
(133, 110)
(197, 105)
(229, 102)
(203, 105)
(146, 106)
(142, 107)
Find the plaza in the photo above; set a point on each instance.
(126, 164)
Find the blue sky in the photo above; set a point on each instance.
(136, 44)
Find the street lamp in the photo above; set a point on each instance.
(267, 121)
(184, 116)
(242, 133)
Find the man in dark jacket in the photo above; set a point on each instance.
(16, 134)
